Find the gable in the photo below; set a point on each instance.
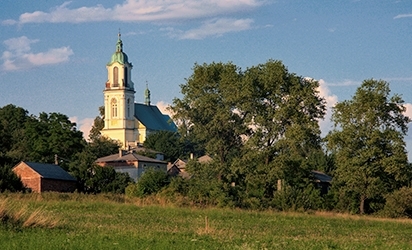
(25, 172)
(151, 117)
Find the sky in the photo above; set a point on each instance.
(53, 54)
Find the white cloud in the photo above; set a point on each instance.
(18, 55)
(138, 10)
(345, 83)
(163, 107)
(331, 100)
(408, 111)
(19, 44)
(402, 16)
(83, 125)
(408, 137)
(214, 27)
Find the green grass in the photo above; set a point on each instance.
(111, 222)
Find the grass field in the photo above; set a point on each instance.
(76, 221)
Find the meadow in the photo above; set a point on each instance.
(78, 221)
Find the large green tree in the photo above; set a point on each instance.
(368, 143)
(282, 111)
(260, 124)
(37, 138)
(52, 134)
(209, 108)
(13, 146)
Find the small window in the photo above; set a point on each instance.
(114, 107)
(128, 108)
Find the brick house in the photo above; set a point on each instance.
(41, 177)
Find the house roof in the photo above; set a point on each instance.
(50, 171)
(204, 159)
(127, 157)
(151, 117)
(321, 177)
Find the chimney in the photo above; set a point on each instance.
(191, 156)
(120, 152)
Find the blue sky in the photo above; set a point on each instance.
(53, 54)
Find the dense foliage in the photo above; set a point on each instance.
(260, 125)
(368, 143)
(152, 181)
(48, 138)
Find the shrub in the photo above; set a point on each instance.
(152, 181)
(399, 203)
(9, 181)
(293, 199)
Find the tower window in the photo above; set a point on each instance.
(126, 83)
(114, 107)
(128, 108)
(115, 77)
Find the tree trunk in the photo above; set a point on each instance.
(362, 204)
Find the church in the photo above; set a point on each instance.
(124, 120)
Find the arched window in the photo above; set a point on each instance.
(114, 107)
(126, 83)
(115, 77)
(128, 108)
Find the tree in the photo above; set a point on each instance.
(368, 144)
(282, 111)
(9, 180)
(98, 125)
(99, 145)
(152, 181)
(208, 108)
(260, 125)
(13, 145)
(167, 142)
(52, 134)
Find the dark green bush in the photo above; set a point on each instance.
(399, 203)
(152, 181)
(9, 181)
(296, 199)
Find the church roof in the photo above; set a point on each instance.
(151, 117)
(119, 56)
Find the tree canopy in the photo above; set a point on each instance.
(261, 124)
(368, 144)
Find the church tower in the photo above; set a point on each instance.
(119, 118)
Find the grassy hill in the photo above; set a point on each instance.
(76, 221)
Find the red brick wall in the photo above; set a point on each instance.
(57, 185)
(28, 177)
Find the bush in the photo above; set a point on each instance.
(295, 199)
(399, 203)
(152, 181)
(9, 181)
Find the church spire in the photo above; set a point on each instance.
(119, 44)
(119, 56)
(147, 96)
